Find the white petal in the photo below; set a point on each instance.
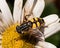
(28, 6)
(3, 21)
(5, 11)
(52, 29)
(17, 13)
(50, 19)
(38, 47)
(1, 26)
(22, 17)
(39, 8)
(46, 45)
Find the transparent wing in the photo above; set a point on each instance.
(38, 34)
(28, 8)
(32, 8)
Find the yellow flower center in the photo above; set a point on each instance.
(12, 39)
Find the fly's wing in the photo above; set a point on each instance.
(31, 9)
(38, 34)
(27, 10)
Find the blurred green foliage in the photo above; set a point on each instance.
(49, 9)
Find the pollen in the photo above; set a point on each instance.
(12, 39)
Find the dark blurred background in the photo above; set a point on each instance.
(51, 7)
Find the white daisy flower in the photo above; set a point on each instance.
(8, 22)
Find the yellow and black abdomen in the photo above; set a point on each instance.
(37, 22)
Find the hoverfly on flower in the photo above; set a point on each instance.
(34, 26)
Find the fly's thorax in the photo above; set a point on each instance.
(24, 27)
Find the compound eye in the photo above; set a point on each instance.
(18, 29)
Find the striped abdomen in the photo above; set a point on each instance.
(37, 22)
